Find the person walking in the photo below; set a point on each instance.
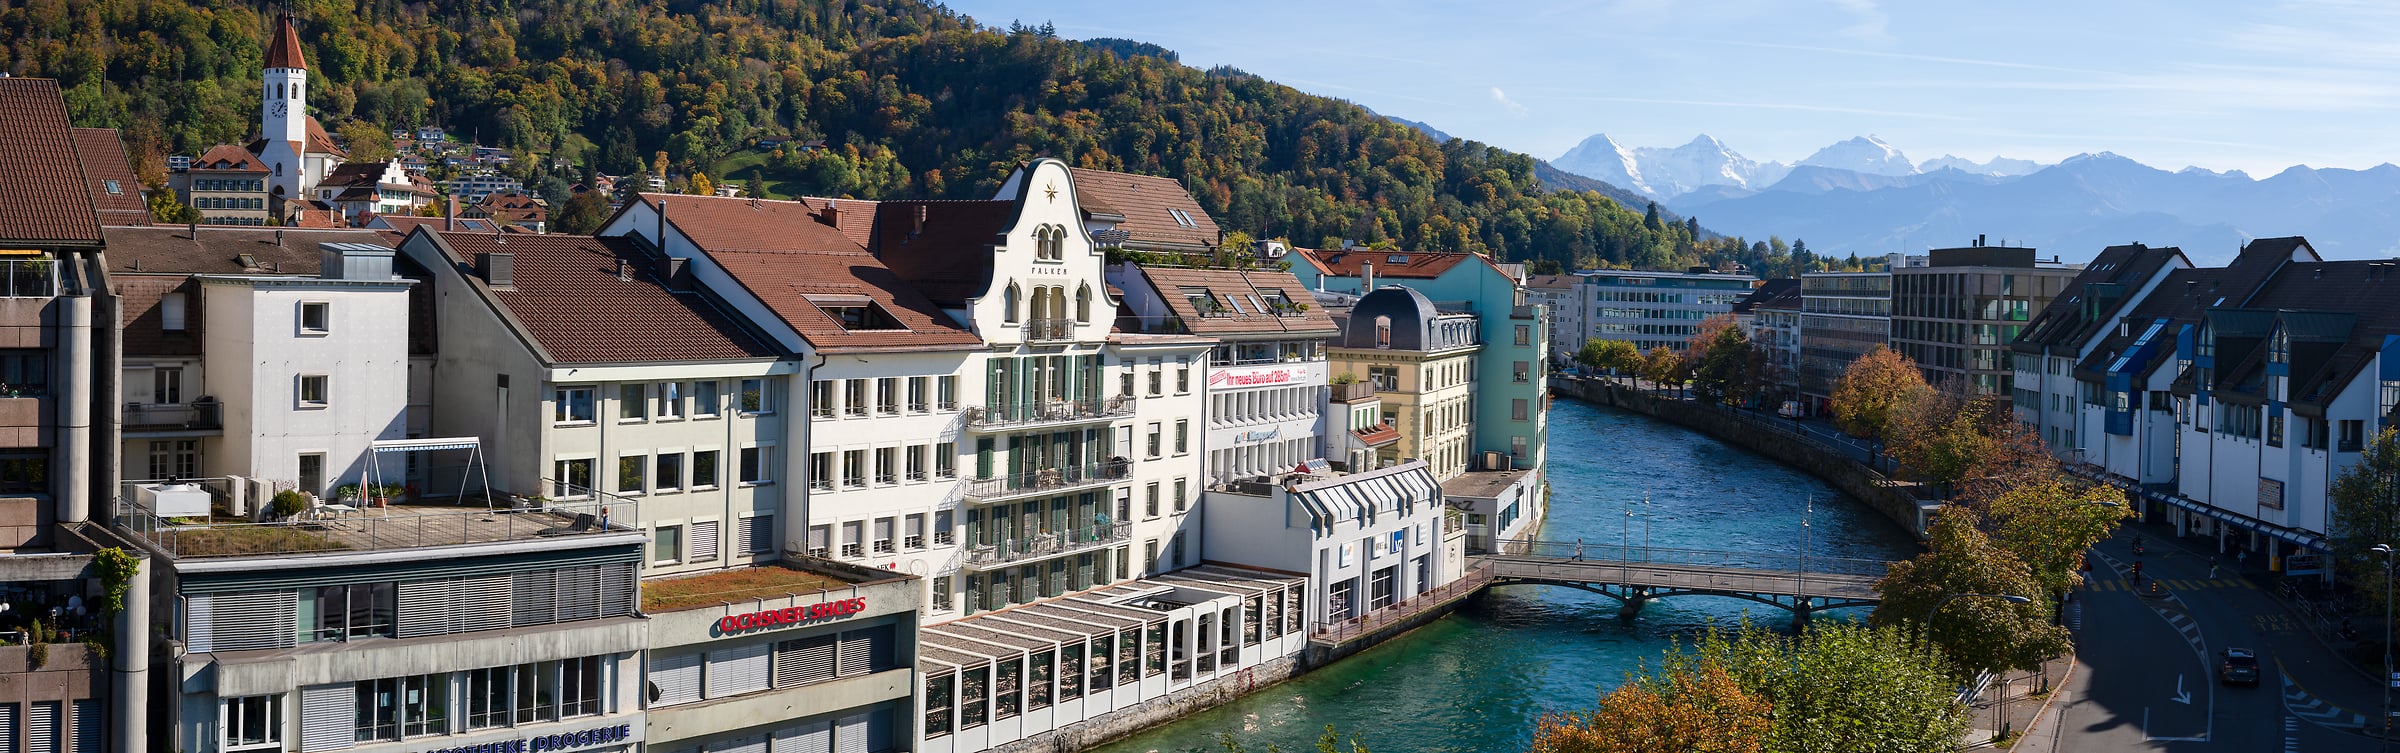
(2212, 568)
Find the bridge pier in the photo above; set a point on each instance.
(1631, 606)
(1801, 607)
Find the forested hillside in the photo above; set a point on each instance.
(909, 100)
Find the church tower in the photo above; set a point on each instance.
(283, 114)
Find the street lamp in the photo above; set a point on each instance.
(1937, 608)
(2386, 551)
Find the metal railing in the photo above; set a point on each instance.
(1049, 480)
(1050, 328)
(29, 278)
(1382, 617)
(1049, 544)
(332, 526)
(169, 416)
(1020, 414)
(1614, 554)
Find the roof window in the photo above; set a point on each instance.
(1396, 259)
(857, 314)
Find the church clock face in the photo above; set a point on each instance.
(277, 108)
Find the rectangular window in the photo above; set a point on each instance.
(942, 525)
(632, 402)
(314, 389)
(819, 538)
(854, 469)
(2274, 431)
(22, 369)
(1183, 435)
(573, 405)
(1183, 500)
(670, 400)
(854, 397)
(755, 397)
(883, 536)
(887, 396)
(1157, 379)
(941, 593)
(946, 392)
(666, 545)
(669, 474)
(1150, 505)
(820, 471)
(1517, 409)
(917, 388)
(887, 465)
(853, 539)
(250, 723)
(758, 534)
(1178, 550)
(1524, 335)
(704, 469)
(26, 373)
(1153, 446)
(820, 397)
(630, 472)
(916, 463)
(315, 317)
(357, 610)
(571, 479)
(912, 531)
(2353, 435)
(758, 465)
(1522, 370)
(704, 399)
(1183, 375)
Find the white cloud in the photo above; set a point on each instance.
(1871, 21)
(1513, 107)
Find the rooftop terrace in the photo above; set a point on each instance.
(762, 581)
(361, 526)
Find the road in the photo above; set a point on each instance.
(2148, 677)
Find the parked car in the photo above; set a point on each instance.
(2239, 667)
(1790, 409)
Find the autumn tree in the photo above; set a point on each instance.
(2048, 521)
(1937, 435)
(581, 214)
(1978, 634)
(702, 186)
(366, 142)
(1721, 373)
(166, 209)
(1663, 367)
(2365, 511)
(1874, 390)
(1698, 709)
(1614, 356)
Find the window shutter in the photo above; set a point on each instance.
(480, 603)
(617, 589)
(87, 726)
(806, 738)
(43, 737)
(860, 649)
(8, 728)
(704, 541)
(425, 608)
(743, 669)
(578, 593)
(325, 717)
(850, 734)
(675, 679)
(251, 620)
(746, 529)
(199, 633)
(803, 661)
(533, 598)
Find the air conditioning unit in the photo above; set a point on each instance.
(1495, 460)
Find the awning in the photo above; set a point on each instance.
(2298, 538)
(424, 445)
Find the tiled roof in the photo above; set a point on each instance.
(2338, 313)
(104, 166)
(171, 249)
(317, 141)
(2186, 294)
(315, 214)
(1400, 264)
(228, 158)
(1773, 294)
(941, 248)
(514, 207)
(144, 329)
(854, 217)
(284, 50)
(784, 254)
(404, 223)
(42, 196)
(1145, 202)
(567, 297)
(1237, 295)
(2093, 299)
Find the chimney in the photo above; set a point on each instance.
(832, 216)
(621, 275)
(661, 235)
(1978, 240)
(1366, 277)
(499, 269)
(919, 226)
(279, 237)
(192, 230)
(449, 213)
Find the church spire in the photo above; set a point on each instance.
(284, 52)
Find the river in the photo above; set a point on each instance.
(1476, 681)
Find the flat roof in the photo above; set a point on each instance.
(1482, 484)
(755, 582)
(1077, 617)
(360, 527)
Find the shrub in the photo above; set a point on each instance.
(288, 503)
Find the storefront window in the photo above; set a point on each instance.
(938, 690)
(487, 697)
(537, 697)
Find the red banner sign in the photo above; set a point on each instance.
(789, 616)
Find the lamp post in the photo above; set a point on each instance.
(2386, 551)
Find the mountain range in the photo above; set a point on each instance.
(1864, 196)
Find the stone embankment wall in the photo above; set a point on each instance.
(1894, 500)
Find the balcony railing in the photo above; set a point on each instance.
(1049, 544)
(29, 278)
(1056, 328)
(1346, 392)
(1053, 411)
(173, 416)
(1048, 480)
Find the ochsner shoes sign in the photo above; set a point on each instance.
(789, 616)
(1266, 375)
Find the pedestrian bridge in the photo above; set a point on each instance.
(1635, 575)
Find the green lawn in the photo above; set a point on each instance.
(735, 169)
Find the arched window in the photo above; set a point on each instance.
(1008, 304)
(1041, 304)
(1383, 332)
(1083, 304)
(1058, 303)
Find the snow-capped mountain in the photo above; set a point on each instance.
(1997, 165)
(1661, 173)
(1863, 154)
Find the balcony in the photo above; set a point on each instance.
(1053, 412)
(1049, 329)
(1349, 391)
(1049, 544)
(1047, 481)
(28, 278)
(206, 415)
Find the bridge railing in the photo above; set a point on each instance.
(1613, 554)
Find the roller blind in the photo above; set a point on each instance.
(704, 541)
(42, 737)
(850, 734)
(738, 670)
(675, 679)
(805, 660)
(815, 737)
(87, 726)
(326, 714)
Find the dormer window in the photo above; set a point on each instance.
(2279, 347)
(857, 314)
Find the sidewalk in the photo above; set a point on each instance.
(2021, 705)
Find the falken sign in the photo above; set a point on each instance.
(1267, 375)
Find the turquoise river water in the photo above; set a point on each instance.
(1475, 682)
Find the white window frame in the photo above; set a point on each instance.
(766, 464)
(559, 402)
(669, 396)
(324, 311)
(300, 391)
(683, 544)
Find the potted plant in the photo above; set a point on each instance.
(348, 493)
(288, 503)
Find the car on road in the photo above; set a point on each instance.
(2238, 666)
(1790, 409)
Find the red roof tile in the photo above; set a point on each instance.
(1238, 295)
(284, 50)
(1145, 202)
(104, 167)
(1414, 265)
(942, 248)
(854, 217)
(785, 254)
(228, 158)
(42, 195)
(568, 298)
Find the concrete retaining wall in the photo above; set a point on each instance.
(1893, 499)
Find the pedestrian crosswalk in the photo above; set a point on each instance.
(2174, 584)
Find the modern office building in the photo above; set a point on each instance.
(1957, 316)
(1557, 294)
(1843, 315)
(1770, 320)
(1653, 309)
(2051, 346)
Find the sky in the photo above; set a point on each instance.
(2256, 86)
